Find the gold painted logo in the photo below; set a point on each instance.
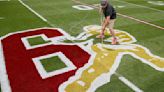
(106, 59)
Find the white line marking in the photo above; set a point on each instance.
(81, 83)
(141, 21)
(130, 84)
(44, 74)
(27, 44)
(123, 15)
(82, 7)
(141, 6)
(37, 14)
(5, 85)
(91, 70)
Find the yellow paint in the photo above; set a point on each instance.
(102, 64)
(105, 58)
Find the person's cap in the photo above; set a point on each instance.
(103, 2)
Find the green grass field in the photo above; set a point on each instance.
(60, 14)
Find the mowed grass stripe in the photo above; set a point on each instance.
(138, 12)
(150, 16)
(144, 35)
(154, 44)
(145, 3)
(64, 16)
(17, 18)
(37, 14)
(123, 15)
(144, 76)
(141, 31)
(141, 13)
(138, 5)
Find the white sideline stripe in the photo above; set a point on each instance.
(4, 82)
(37, 14)
(130, 84)
(126, 16)
(141, 6)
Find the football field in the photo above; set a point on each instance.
(50, 46)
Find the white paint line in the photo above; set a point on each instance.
(37, 14)
(91, 70)
(5, 85)
(123, 15)
(141, 6)
(141, 21)
(44, 74)
(27, 44)
(82, 7)
(81, 83)
(106, 54)
(130, 84)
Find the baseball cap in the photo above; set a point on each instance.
(103, 2)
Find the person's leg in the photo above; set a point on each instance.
(101, 35)
(111, 29)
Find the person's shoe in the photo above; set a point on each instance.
(100, 36)
(114, 41)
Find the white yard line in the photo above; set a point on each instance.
(37, 14)
(141, 6)
(141, 21)
(123, 15)
(128, 83)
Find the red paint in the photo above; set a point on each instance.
(22, 73)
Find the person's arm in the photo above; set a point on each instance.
(105, 23)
